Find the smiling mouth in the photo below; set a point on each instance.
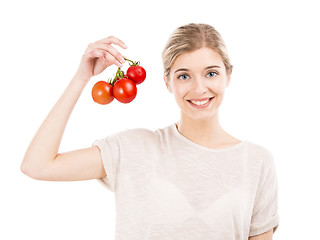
(200, 103)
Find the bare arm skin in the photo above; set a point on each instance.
(264, 236)
(42, 160)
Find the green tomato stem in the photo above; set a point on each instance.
(119, 74)
(133, 63)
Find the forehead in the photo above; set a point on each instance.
(198, 59)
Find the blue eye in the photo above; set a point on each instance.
(212, 74)
(183, 76)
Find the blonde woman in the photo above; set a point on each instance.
(188, 180)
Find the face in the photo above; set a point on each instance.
(198, 80)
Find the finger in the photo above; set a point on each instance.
(93, 53)
(113, 40)
(111, 59)
(104, 56)
(110, 49)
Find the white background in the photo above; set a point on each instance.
(272, 100)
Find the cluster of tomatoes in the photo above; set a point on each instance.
(122, 86)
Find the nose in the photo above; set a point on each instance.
(199, 86)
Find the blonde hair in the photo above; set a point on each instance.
(192, 37)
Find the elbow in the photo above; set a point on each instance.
(37, 170)
(23, 168)
(25, 164)
(36, 167)
(28, 170)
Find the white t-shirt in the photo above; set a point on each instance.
(170, 188)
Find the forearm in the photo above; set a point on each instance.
(45, 144)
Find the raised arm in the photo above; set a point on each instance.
(42, 160)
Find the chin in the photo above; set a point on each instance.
(200, 117)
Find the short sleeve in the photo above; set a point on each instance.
(265, 211)
(110, 155)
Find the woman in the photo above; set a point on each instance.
(188, 180)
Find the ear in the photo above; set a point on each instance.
(229, 77)
(167, 83)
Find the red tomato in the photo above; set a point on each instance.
(136, 74)
(124, 90)
(102, 93)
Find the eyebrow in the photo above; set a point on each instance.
(186, 69)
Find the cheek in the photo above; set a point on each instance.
(179, 90)
(219, 89)
(218, 86)
(178, 95)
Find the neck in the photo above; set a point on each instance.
(205, 132)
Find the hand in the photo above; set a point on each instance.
(100, 55)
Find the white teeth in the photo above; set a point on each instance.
(200, 102)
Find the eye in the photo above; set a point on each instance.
(183, 76)
(212, 74)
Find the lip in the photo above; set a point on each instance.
(200, 99)
(201, 106)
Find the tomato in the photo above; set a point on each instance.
(136, 74)
(124, 90)
(102, 93)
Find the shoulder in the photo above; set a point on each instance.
(261, 153)
(259, 149)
